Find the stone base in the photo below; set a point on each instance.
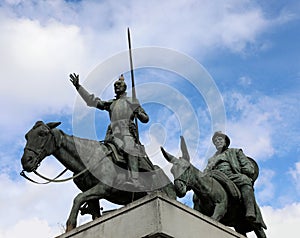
(154, 216)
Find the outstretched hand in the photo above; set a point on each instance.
(74, 78)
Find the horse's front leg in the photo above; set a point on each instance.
(97, 192)
(91, 207)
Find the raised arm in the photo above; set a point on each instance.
(90, 99)
(74, 78)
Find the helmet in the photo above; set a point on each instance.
(122, 81)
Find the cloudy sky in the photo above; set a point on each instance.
(200, 66)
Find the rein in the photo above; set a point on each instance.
(186, 182)
(55, 179)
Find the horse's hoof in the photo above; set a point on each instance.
(69, 228)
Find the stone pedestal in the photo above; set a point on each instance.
(153, 216)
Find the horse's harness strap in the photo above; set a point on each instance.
(31, 180)
(40, 153)
(55, 180)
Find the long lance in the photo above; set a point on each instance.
(132, 80)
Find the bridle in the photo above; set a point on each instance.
(186, 182)
(40, 155)
(43, 152)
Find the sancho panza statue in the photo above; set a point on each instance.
(224, 190)
(122, 130)
(237, 167)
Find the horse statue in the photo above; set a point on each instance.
(211, 197)
(96, 172)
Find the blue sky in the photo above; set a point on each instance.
(248, 50)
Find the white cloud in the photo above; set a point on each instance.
(23, 200)
(34, 66)
(282, 222)
(43, 41)
(32, 227)
(262, 125)
(265, 188)
(232, 24)
(40, 208)
(251, 129)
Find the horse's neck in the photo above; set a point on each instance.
(66, 151)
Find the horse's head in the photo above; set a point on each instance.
(180, 169)
(40, 143)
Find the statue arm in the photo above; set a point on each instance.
(247, 167)
(141, 114)
(138, 111)
(90, 99)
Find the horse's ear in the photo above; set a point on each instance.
(168, 156)
(37, 124)
(184, 150)
(53, 124)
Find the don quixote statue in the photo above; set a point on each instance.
(119, 170)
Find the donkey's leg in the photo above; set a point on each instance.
(219, 211)
(197, 203)
(242, 232)
(260, 233)
(95, 193)
(221, 203)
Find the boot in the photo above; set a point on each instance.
(249, 202)
(133, 166)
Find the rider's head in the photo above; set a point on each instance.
(220, 140)
(120, 85)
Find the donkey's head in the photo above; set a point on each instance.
(180, 169)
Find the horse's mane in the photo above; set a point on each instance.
(77, 146)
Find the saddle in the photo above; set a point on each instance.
(118, 158)
(226, 183)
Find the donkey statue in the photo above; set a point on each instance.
(211, 198)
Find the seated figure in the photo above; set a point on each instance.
(122, 130)
(237, 167)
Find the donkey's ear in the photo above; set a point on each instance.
(53, 124)
(184, 150)
(168, 156)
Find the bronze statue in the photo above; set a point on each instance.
(215, 194)
(104, 178)
(237, 167)
(122, 129)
